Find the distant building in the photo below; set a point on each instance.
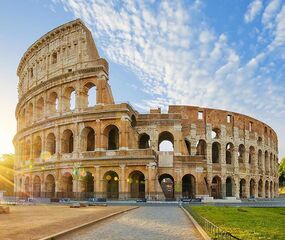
(66, 147)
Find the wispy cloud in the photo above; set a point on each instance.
(270, 12)
(253, 10)
(179, 57)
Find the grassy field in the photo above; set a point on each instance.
(247, 223)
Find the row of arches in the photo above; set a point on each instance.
(55, 102)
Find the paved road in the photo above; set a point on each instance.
(160, 222)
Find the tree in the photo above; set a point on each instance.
(281, 172)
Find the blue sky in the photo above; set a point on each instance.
(221, 54)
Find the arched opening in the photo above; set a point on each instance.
(229, 153)
(271, 190)
(270, 162)
(88, 139)
(188, 146)
(241, 153)
(27, 150)
(242, 188)
(260, 187)
(67, 141)
(251, 155)
(67, 185)
(90, 90)
(29, 113)
(69, 99)
(252, 188)
(216, 133)
(144, 141)
(266, 162)
(133, 121)
(37, 187)
(111, 180)
(229, 187)
(53, 103)
(267, 189)
(50, 186)
(188, 186)
(88, 185)
(27, 185)
(165, 142)
(111, 134)
(216, 152)
(259, 141)
(167, 184)
(51, 144)
(37, 147)
(216, 187)
(40, 108)
(259, 159)
(136, 182)
(201, 148)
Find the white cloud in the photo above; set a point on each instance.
(178, 57)
(253, 9)
(270, 13)
(279, 30)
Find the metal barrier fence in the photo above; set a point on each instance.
(214, 231)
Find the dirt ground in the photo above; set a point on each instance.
(34, 222)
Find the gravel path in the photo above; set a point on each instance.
(162, 222)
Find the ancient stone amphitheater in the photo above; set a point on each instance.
(68, 147)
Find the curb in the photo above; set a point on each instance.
(50, 237)
(197, 225)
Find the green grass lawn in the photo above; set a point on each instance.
(246, 223)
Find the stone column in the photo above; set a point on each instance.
(224, 187)
(122, 183)
(236, 187)
(97, 179)
(151, 191)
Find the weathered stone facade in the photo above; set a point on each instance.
(111, 150)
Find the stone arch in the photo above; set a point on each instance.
(51, 144)
(40, 108)
(241, 153)
(201, 148)
(112, 137)
(136, 182)
(252, 188)
(111, 184)
(216, 133)
(242, 188)
(67, 141)
(260, 188)
(229, 153)
(216, 152)
(88, 139)
(216, 187)
(188, 186)
(37, 186)
(167, 184)
(267, 189)
(69, 99)
(90, 96)
(271, 190)
(188, 146)
(133, 121)
(27, 185)
(37, 146)
(251, 157)
(229, 187)
(53, 103)
(88, 184)
(166, 141)
(67, 184)
(270, 162)
(144, 141)
(266, 159)
(50, 186)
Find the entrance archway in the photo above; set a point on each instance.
(242, 188)
(50, 186)
(260, 186)
(252, 188)
(37, 187)
(167, 184)
(188, 186)
(67, 185)
(216, 187)
(88, 185)
(229, 187)
(111, 180)
(267, 189)
(137, 184)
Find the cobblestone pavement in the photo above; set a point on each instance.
(160, 222)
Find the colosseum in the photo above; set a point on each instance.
(74, 141)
